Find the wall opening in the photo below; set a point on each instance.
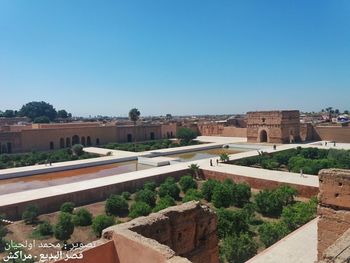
(152, 135)
(52, 146)
(61, 143)
(9, 147)
(83, 141)
(129, 137)
(263, 136)
(68, 142)
(97, 141)
(75, 140)
(88, 141)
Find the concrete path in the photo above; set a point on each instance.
(298, 247)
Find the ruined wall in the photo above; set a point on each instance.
(280, 126)
(188, 230)
(334, 207)
(332, 133)
(218, 129)
(256, 183)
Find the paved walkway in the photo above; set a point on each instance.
(298, 247)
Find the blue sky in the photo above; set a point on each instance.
(175, 56)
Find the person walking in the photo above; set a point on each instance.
(211, 162)
(217, 162)
(301, 173)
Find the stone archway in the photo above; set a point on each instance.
(75, 140)
(263, 136)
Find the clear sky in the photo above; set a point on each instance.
(175, 56)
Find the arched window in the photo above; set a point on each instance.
(83, 141)
(52, 146)
(75, 140)
(61, 143)
(88, 141)
(68, 142)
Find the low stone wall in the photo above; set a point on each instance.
(234, 132)
(256, 183)
(332, 133)
(88, 196)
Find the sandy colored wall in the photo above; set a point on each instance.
(304, 191)
(234, 132)
(332, 133)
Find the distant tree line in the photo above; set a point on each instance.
(38, 112)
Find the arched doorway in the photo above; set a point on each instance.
(263, 136)
(83, 141)
(68, 142)
(88, 141)
(75, 140)
(129, 137)
(52, 146)
(61, 143)
(152, 135)
(97, 141)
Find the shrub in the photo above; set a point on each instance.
(45, 228)
(147, 196)
(222, 195)
(224, 157)
(186, 135)
(270, 233)
(238, 248)
(30, 214)
(169, 187)
(241, 194)
(271, 202)
(208, 188)
(192, 194)
(65, 227)
(300, 213)
(101, 222)
(116, 205)
(163, 203)
(139, 209)
(126, 195)
(77, 149)
(82, 217)
(187, 182)
(67, 207)
(231, 222)
(150, 186)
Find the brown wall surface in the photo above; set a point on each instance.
(332, 133)
(304, 191)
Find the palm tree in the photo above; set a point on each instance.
(330, 113)
(224, 157)
(194, 168)
(134, 115)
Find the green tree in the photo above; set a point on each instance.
(186, 135)
(208, 188)
(101, 222)
(222, 195)
(82, 217)
(116, 205)
(30, 214)
(194, 170)
(163, 203)
(45, 228)
(41, 119)
(150, 186)
(78, 149)
(192, 194)
(231, 222)
(238, 248)
(186, 182)
(62, 114)
(64, 227)
(241, 194)
(139, 209)
(36, 109)
(126, 195)
(67, 207)
(134, 115)
(147, 196)
(169, 187)
(224, 157)
(9, 114)
(296, 215)
(271, 232)
(3, 233)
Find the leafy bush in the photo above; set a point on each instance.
(67, 207)
(241, 194)
(45, 228)
(77, 149)
(139, 209)
(222, 195)
(169, 187)
(231, 222)
(116, 205)
(101, 222)
(238, 248)
(147, 196)
(65, 227)
(186, 134)
(126, 195)
(163, 203)
(271, 202)
(192, 194)
(150, 186)
(30, 214)
(270, 233)
(208, 188)
(186, 182)
(82, 217)
(299, 213)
